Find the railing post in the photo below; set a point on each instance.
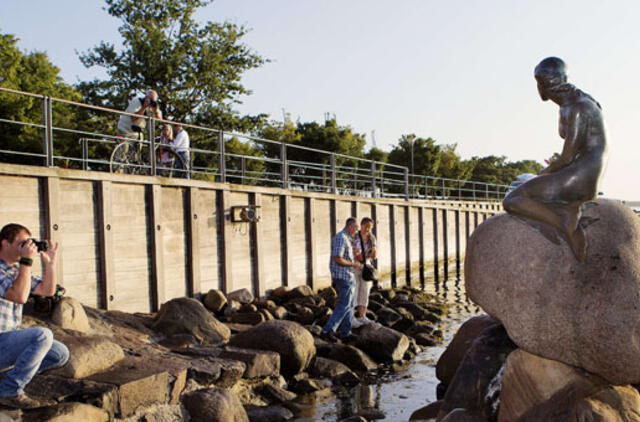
(45, 131)
(332, 162)
(486, 195)
(221, 158)
(85, 154)
(373, 179)
(243, 169)
(443, 194)
(459, 191)
(284, 169)
(473, 188)
(406, 183)
(47, 138)
(152, 145)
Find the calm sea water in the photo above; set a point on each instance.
(396, 393)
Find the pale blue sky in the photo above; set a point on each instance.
(458, 71)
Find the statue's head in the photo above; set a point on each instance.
(550, 73)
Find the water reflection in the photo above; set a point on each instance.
(396, 392)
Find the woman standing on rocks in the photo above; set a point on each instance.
(364, 248)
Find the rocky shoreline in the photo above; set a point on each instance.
(225, 358)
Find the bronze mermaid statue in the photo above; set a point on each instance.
(555, 197)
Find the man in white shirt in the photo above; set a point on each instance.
(180, 145)
(147, 106)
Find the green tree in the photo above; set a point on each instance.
(33, 72)
(196, 68)
(426, 155)
(496, 169)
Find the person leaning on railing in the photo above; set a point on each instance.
(180, 145)
(147, 106)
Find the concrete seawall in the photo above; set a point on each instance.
(133, 242)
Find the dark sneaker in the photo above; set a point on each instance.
(328, 337)
(22, 401)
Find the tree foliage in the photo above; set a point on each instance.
(196, 68)
(31, 72)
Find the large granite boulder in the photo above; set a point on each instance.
(534, 385)
(382, 343)
(88, 355)
(454, 353)
(584, 314)
(214, 405)
(478, 374)
(69, 314)
(291, 340)
(188, 316)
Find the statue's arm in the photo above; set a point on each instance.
(576, 132)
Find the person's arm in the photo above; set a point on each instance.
(19, 290)
(48, 285)
(372, 254)
(576, 132)
(346, 263)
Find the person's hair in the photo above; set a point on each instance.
(350, 221)
(168, 126)
(10, 231)
(366, 220)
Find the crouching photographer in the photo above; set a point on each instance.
(31, 350)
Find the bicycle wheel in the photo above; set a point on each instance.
(125, 159)
(172, 164)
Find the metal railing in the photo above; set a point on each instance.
(56, 132)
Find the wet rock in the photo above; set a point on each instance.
(299, 292)
(214, 405)
(375, 306)
(328, 293)
(249, 318)
(88, 355)
(427, 412)
(556, 307)
(270, 414)
(292, 341)
(310, 385)
(276, 394)
(381, 343)
(387, 294)
(237, 328)
(454, 353)
(352, 357)
(280, 312)
(426, 340)
(69, 314)
(215, 300)
(303, 316)
(248, 307)
(232, 307)
(371, 414)
(67, 412)
(267, 315)
(420, 327)
(259, 363)
(328, 368)
(462, 415)
(269, 305)
(354, 418)
(614, 403)
(279, 293)
(532, 382)
(480, 365)
(188, 316)
(243, 296)
(388, 316)
(403, 325)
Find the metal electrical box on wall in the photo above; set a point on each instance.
(245, 213)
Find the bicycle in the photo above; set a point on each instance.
(128, 158)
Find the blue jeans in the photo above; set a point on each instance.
(185, 156)
(342, 316)
(30, 351)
